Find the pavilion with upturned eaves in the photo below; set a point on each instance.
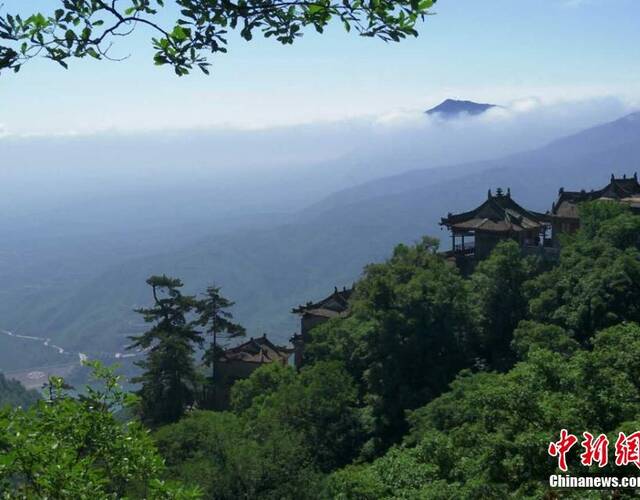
(474, 234)
(313, 314)
(564, 211)
(239, 362)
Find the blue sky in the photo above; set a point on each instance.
(493, 50)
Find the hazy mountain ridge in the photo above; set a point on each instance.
(614, 140)
(267, 271)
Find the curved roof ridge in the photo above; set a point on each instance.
(505, 209)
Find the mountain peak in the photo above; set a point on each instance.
(452, 108)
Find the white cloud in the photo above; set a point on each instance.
(241, 162)
(517, 124)
(400, 118)
(416, 140)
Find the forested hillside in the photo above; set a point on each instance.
(437, 386)
(434, 386)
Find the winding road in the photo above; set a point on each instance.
(34, 377)
(45, 342)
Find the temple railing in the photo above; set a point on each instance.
(466, 248)
(458, 252)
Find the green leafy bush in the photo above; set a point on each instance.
(70, 448)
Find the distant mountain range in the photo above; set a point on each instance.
(452, 108)
(269, 270)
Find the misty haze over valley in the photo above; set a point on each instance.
(275, 217)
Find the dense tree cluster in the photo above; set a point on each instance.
(284, 431)
(434, 386)
(406, 338)
(573, 335)
(437, 386)
(74, 447)
(170, 382)
(597, 281)
(487, 437)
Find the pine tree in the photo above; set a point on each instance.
(169, 377)
(217, 321)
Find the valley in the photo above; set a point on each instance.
(267, 264)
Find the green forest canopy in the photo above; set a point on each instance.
(435, 386)
(438, 386)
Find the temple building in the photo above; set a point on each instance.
(475, 234)
(241, 361)
(564, 212)
(314, 313)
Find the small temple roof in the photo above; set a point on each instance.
(336, 304)
(498, 214)
(257, 350)
(624, 189)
